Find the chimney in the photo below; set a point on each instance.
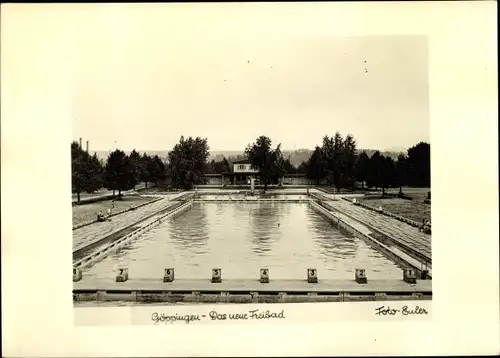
(80, 142)
(87, 148)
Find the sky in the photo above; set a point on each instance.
(144, 76)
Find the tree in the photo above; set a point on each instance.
(419, 165)
(328, 151)
(388, 173)
(316, 165)
(78, 169)
(288, 167)
(302, 168)
(135, 161)
(131, 173)
(375, 170)
(269, 162)
(362, 167)
(86, 171)
(401, 176)
(145, 176)
(381, 173)
(94, 174)
(218, 167)
(120, 174)
(211, 167)
(278, 166)
(188, 161)
(223, 166)
(338, 160)
(348, 155)
(333, 150)
(156, 169)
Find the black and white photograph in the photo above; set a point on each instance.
(249, 179)
(249, 169)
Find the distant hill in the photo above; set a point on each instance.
(389, 153)
(299, 156)
(103, 154)
(296, 156)
(218, 155)
(396, 149)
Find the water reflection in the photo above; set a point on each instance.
(256, 197)
(332, 245)
(242, 238)
(265, 226)
(190, 234)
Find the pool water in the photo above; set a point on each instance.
(240, 196)
(242, 238)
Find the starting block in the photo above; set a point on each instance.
(264, 275)
(77, 274)
(409, 276)
(169, 275)
(122, 275)
(360, 276)
(216, 275)
(312, 275)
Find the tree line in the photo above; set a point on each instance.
(335, 161)
(185, 167)
(120, 172)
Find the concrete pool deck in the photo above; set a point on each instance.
(251, 291)
(364, 232)
(405, 235)
(195, 285)
(90, 233)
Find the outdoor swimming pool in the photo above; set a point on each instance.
(240, 239)
(248, 197)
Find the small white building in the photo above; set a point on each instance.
(244, 166)
(241, 174)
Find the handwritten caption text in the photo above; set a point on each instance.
(405, 311)
(217, 316)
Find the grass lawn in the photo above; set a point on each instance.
(412, 209)
(418, 194)
(86, 212)
(100, 192)
(153, 191)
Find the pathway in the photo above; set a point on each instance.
(102, 193)
(401, 232)
(90, 233)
